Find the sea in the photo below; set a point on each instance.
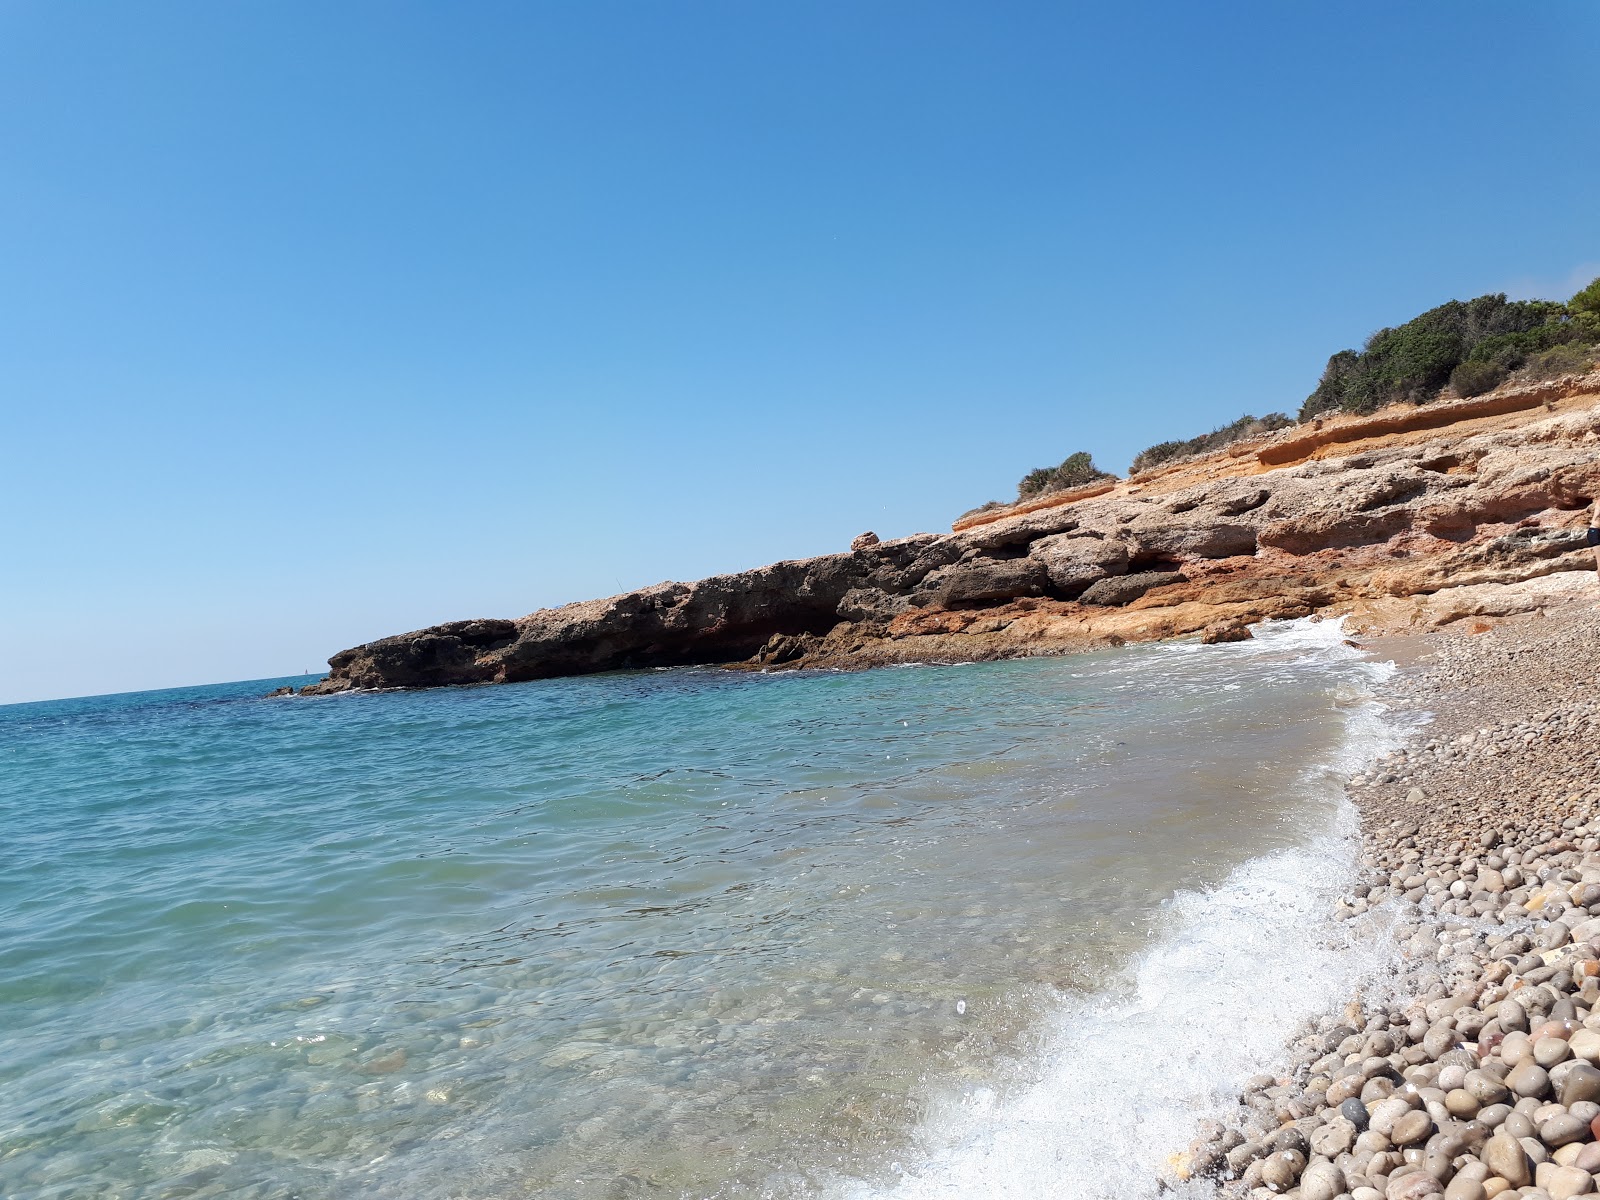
(976, 930)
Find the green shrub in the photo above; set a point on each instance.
(1586, 302)
(1413, 361)
(1585, 310)
(1569, 358)
(1511, 350)
(1245, 426)
(1336, 381)
(1074, 471)
(1476, 376)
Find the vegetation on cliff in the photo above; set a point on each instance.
(1075, 470)
(1468, 346)
(1245, 426)
(1471, 345)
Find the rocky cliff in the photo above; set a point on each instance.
(1414, 515)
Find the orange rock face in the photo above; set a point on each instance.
(1410, 518)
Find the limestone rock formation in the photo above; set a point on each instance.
(1409, 516)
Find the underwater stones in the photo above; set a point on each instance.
(1585, 1044)
(1467, 1182)
(1461, 1103)
(1548, 1051)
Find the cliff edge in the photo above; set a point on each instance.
(1412, 516)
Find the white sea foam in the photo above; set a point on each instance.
(1127, 1073)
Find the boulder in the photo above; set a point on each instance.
(1074, 562)
(1127, 588)
(982, 580)
(1196, 535)
(871, 604)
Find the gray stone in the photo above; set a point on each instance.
(1334, 1138)
(1413, 1187)
(1411, 1129)
(1128, 588)
(1565, 1182)
(982, 581)
(1505, 1157)
(1581, 1082)
(1485, 1088)
(1528, 1079)
(1548, 1051)
(1074, 561)
(1321, 1181)
(1280, 1170)
(1560, 1130)
(1355, 1112)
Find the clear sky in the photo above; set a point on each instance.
(320, 322)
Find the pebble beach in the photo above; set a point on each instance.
(1472, 1069)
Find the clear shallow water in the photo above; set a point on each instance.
(684, 933)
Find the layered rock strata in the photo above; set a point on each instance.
(1389, 518)
(1476, 1072)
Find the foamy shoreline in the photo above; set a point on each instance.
(1120, 1073)
(1481, 853)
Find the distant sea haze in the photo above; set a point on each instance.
(898, 933)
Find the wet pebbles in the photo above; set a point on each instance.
(1475, 1072)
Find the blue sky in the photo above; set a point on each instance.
(322, 322)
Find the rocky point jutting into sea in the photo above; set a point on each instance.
(1413, 516)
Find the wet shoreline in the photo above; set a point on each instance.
(1470, 1071)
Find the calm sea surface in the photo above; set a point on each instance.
(671, 934)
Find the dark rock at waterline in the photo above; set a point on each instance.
(1126, 589)
(1226, 631)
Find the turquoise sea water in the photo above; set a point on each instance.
(676, 933)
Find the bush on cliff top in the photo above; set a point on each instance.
(1245, 426)
(1476, 376)
(1076, 470)
(1585, 306)
(1471, 346)
(1570, 358)
(1415, 360)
